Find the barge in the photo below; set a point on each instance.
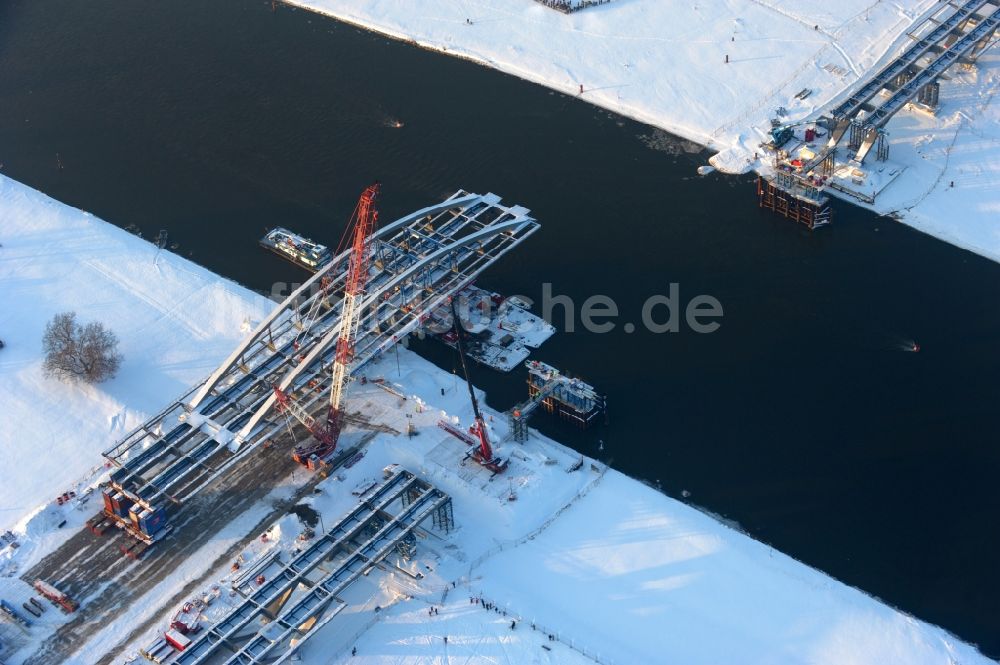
(501, 331)
(301, 251)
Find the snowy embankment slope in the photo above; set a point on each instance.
(664, 63)
(175, 321)
(613, 568)
(658, 581)
(951, 184)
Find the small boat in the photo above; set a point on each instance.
(301, 251)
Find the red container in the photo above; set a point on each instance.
(176, 640)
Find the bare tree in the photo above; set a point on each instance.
(79, 353)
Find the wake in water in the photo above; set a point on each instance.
(887, 341)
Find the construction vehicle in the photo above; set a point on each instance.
(55, 596)
(314, 454)
(7, 609)
(782, 133)
(481, 452)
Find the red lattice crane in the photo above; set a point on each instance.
(483, 453)
(325, 435)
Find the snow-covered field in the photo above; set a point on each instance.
(175, 321)
(610, 568)
(664, 63)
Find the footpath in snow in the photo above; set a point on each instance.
(665, 63)
(608, 567)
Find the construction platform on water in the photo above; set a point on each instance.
(573, 400)
(795, 199)
(501, 331)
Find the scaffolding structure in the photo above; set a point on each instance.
(571, 399)
(794, 199)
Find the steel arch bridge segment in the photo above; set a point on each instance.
(291, 303)
(373, 298)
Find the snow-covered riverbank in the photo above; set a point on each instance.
(609, 565)
(715, 71)
(175, 321)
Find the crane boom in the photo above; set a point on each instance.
(461, 355)
(357, 278)
(363, 223)
(484, 454)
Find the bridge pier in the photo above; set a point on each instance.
(882, 149)
(929, 94)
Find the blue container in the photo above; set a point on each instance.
(121, 503)
(152, 521)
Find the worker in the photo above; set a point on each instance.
(727, 58)
(513, 624)
(581, 88)
(354, 651)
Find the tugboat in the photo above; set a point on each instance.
(301, 251)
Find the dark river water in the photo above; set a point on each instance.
(802, 418)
